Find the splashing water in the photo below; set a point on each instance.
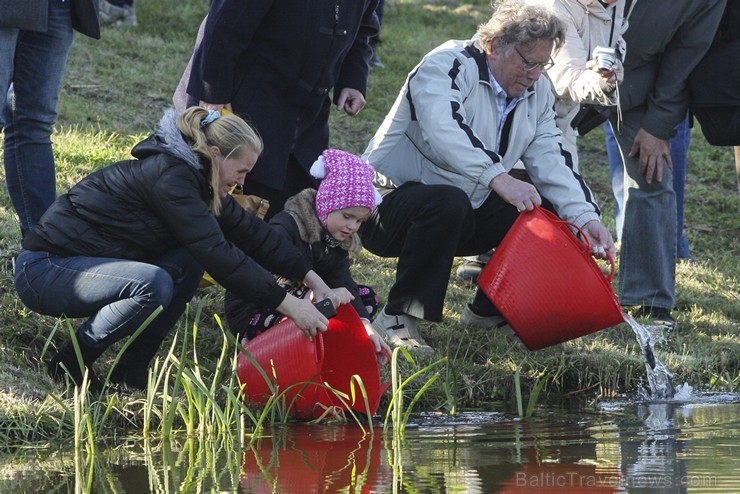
(659, 377)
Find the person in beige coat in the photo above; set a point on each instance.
(575, 75)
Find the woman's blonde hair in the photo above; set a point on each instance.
(228, 132)
(518, 24)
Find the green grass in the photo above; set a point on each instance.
(114, 94)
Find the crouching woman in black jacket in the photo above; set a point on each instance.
(138, 234)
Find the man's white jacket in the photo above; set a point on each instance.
(443, 127)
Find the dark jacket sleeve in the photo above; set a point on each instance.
(262, 242)
(27, 16)
(85, 17)
(355, 68)
(661, 58)
(234, 263)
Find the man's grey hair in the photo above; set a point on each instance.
(514, 23)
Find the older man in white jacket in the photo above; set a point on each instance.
(445, 153)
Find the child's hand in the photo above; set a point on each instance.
(338, 296)
(341, 296)
(319, 288)
(381, 347)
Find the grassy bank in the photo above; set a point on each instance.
(114, 93)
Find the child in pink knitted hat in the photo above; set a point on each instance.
(323, 224)
(346, 183)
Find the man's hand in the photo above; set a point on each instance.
(600, 239)
(215, 106)
(521, 195)
(652, 152)
(350, 101)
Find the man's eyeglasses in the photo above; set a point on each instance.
(530, 66)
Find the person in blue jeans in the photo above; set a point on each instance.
(665, 40)
(375, 62)
(33, 57)
(138, 234)
(679, 145)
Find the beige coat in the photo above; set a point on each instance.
(589, 24)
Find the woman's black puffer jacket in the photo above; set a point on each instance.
(140, 209)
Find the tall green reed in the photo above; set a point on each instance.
(539, 384)
(397, 412)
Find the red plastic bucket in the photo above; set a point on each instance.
(303, 367)
(544, 281)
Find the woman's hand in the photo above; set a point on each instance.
(614, 75)
(350, 101)
(304, 315)
(381, 347)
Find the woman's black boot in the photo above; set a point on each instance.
(132, 369)
(66, 363)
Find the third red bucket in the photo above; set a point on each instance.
(545, 283)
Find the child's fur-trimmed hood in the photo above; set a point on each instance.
(303, 210)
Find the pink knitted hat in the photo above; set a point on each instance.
(347, 181)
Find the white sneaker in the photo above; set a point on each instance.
(401, 331)
(471, 319)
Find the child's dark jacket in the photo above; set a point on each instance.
(299, 224)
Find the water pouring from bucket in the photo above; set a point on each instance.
(659, 377)
(542, 260)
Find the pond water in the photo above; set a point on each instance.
(687, 444)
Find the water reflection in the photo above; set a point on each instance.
(316, 459)
(675, 447)
(636, 447)
(537, 456)
(651, 455)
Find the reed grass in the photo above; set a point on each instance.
(539, 384)
(397, 412)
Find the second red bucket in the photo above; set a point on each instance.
(303, 369)
(545, 283)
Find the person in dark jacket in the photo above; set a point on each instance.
(280, 64)
(665, 40)
(715, 100)
(323, 225)
(138, 234)
(35, 39)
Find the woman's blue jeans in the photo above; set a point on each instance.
(116, 295)
(32, 67)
